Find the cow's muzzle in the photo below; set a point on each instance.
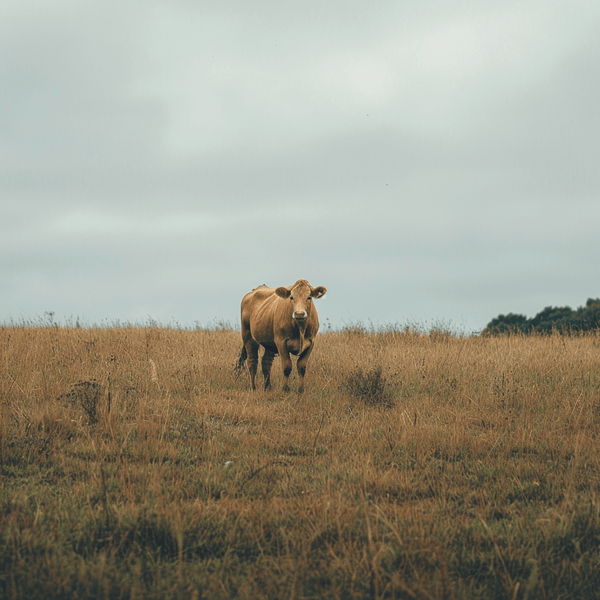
(299, 315)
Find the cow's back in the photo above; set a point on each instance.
(258, 311)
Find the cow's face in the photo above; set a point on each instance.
(300, 298)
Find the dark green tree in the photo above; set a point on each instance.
(553, 318)
(587, 317)
(510, 323)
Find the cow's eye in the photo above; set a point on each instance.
(309, 298)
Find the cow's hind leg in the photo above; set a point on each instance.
(252, 351)
(267, 363)
(301, 365)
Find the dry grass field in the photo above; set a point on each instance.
(135, 464)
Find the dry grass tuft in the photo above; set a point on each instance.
(372, 387)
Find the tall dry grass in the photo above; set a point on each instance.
(136, 464)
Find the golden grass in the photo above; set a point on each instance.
(136, 464)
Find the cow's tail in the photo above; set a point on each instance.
(239, 367)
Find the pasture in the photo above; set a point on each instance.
(135, 464)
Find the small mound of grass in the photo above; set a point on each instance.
(370, 386)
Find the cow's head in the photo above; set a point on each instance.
(301, 296)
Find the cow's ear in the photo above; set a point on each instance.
(319, 292)
(283, 292)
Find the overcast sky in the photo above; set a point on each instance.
(424, 160)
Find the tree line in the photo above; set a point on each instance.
(553, 318)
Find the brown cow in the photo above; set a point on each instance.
(283, 321)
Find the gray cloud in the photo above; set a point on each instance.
(423, 161)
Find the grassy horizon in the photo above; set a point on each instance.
(134, 463)
(215, 324)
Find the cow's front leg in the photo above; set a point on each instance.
(286, 363)
(302, 362)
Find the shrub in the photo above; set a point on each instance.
(562, 319)
(372, 387)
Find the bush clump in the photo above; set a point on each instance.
(562, 319)
(370, 386)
